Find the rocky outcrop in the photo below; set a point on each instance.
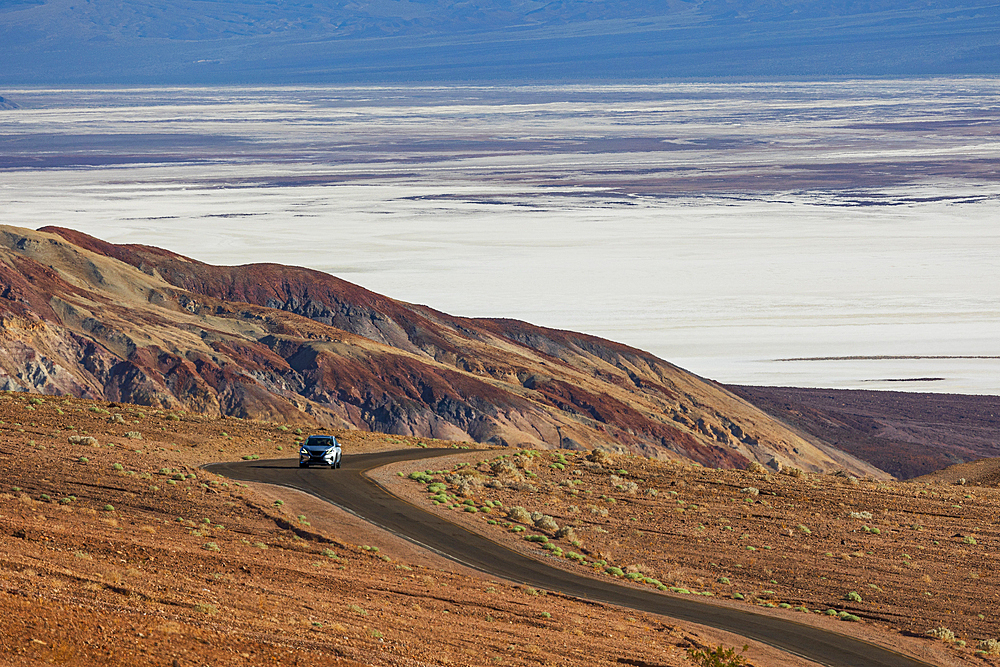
(133, 323)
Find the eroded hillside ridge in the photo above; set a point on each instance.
(133, 323)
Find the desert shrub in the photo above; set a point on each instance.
(353, 608)
(750, 491)
(614, 571)
(853, 596)
(519, 515)
(718, 656)
(206, 608)
(723, 580)
(536, 538)
(989, 646)
(969, 539)
(861, 515)
(82, 440)
(756, 468)
(545, 522)
(567, 532)
(211, 546)
(133, 435)
(519, 485)
(793, 472)
(117, 466)
(600, 456)
(804, 529)
(942, 633)
(116, 419)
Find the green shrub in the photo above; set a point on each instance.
(134, 435)
(614, 571)
(536, 538)
(211, 546)
(853, 596)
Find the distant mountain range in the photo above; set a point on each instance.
(84, 317)
(285, 41)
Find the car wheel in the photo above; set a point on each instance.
(338, 463)
(303, 465)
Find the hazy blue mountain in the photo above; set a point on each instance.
(174, 41)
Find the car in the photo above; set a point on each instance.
(320, 450)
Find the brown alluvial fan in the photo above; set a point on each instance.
(139, 324)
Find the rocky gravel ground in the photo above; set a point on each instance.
(892, 561)
(117, 549)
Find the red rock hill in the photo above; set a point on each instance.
(134, 323)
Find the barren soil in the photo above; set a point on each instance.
(899, 558)
(124, 552)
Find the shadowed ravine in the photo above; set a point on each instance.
(351, 489)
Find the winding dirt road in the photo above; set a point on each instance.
(351, 489)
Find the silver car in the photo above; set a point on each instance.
(320, 450)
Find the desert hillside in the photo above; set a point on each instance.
(82, 317)
(116, 549)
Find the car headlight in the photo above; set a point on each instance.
(303, 452)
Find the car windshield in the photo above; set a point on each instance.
(321, 441)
